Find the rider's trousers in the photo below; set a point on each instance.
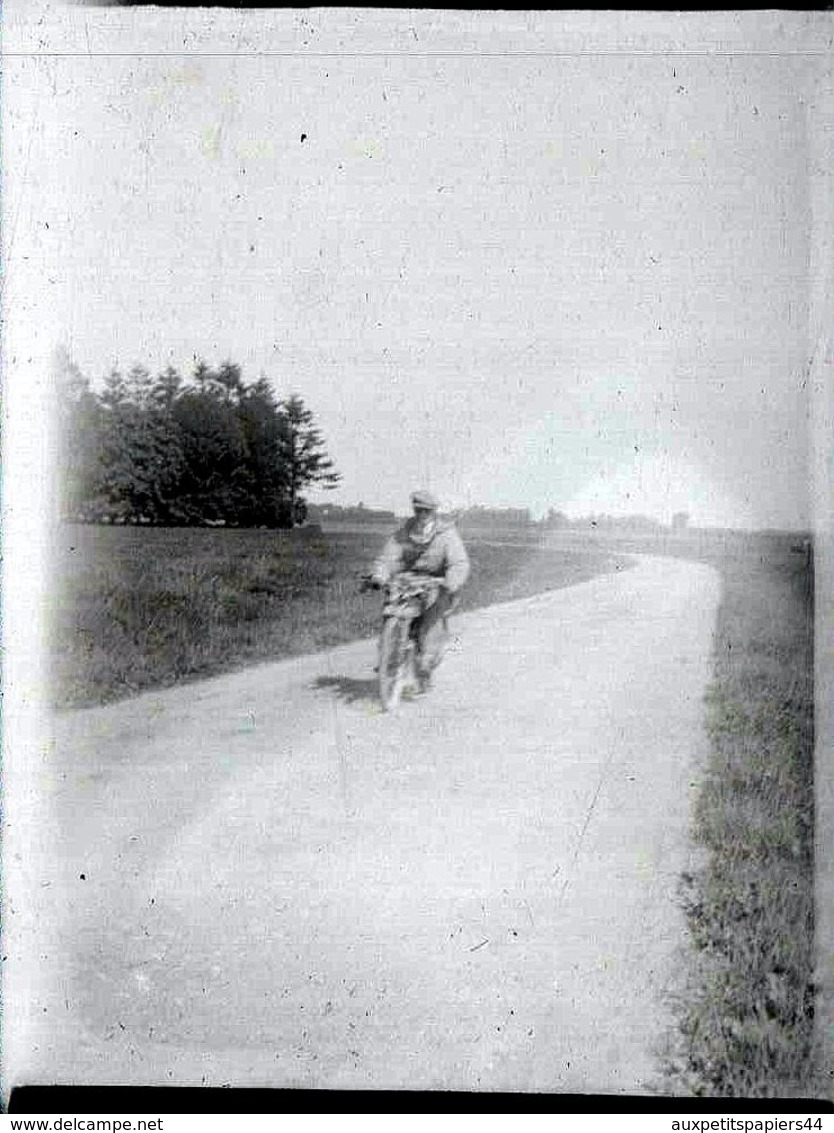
(432, 633)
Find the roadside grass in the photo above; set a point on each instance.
(141, 608)
(745, 1008)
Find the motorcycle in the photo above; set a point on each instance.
(407, 596)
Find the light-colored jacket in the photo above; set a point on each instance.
(443, 556)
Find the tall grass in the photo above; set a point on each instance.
(140, 608)
(745, 1010)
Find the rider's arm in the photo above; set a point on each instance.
(457, 562)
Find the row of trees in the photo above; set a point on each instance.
(165, 449)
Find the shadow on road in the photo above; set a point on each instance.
(349, 689)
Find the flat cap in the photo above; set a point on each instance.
(422, 498)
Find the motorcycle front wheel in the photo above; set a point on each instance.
(392, 661)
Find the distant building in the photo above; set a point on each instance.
(680, 521)
(322, 513)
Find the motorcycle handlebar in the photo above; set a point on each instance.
(422, 581)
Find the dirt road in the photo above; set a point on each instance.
(261, 879)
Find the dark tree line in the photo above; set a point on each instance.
(164, 449)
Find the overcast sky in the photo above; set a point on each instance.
(570, 280)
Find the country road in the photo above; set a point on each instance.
(261, 879)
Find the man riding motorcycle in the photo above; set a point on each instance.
(426, 544)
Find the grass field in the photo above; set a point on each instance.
(745, 1007)
(141, 607)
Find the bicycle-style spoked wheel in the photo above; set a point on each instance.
(392, 657)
